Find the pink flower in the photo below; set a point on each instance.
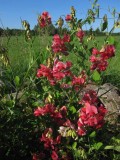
(99, 58)
(39, 156)
(41, 111)
(54, 155)
(35, 157)
(66, 38)
(78, 80)
(81, 131)
(44, 19)
(95, 51)
(90, 97)
(44, 72)
(61, 70)
(80, 34)
(69, 124)
(98, 63)
(90, 109)
(90, 116)
(58, 44)
(63, 111)
(109, 51)
(68, 17)
(93, 59)
(47, 139)
(58, 75)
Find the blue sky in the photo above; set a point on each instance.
(12, 10)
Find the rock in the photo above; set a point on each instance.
(109, 95)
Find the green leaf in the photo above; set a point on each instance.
(93, 134)
(109, 147)
(74, 145)
(17, 81)
(79, 21)
(116, 148)
(98, 145)
(104, 26)
(72, 109)
(111, 40)
(96, 76)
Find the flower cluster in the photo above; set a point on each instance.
(44, 19)
(58, 44)
(79, 81)
(99, 58)
(58, 115)
(49, 144)
(56, 73)
(91, 114)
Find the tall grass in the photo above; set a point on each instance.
(19, 52)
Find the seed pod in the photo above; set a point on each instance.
(27, 29)
(60, 22)
(73, 11)
(105, 18)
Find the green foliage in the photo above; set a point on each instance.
(96, 76)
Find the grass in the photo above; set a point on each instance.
(20, 51)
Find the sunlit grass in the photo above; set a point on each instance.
(19, 52)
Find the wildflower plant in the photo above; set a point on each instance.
(70, 111)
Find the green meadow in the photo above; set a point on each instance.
(19, 52)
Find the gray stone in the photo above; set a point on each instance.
(109, 95)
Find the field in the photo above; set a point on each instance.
(19, 52)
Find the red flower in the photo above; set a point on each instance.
(98, 63)
(61, 70)
(90, 109)
(90, 116)
(39, 111)
(93, 59)
(44, 72)
(99, 58)
(58, 44)
(44, 19)
(39, 156)
(54, 155)
(47, 138)
(78, 80)
(66, 38)
(81, 131)
(35, 157)
(68, 17)
(95, 51)
(109, 51)
(80, 34)
(89, 97)
(63, 111)
(48, 108)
